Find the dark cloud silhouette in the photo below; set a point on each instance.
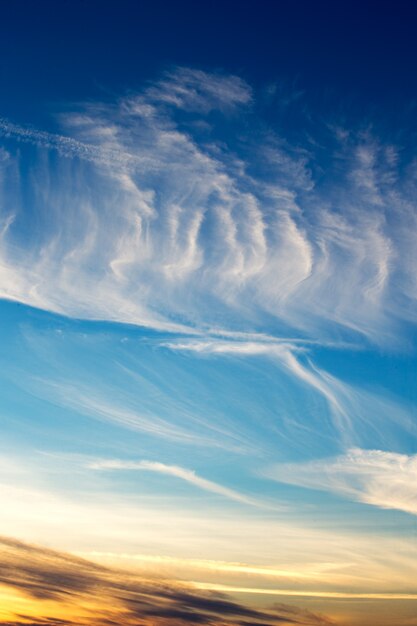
(123, 598)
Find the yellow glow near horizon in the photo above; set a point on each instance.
(222, 566)
(305, 593)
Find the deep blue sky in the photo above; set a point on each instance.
(64, 51)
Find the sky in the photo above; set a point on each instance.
(208, 320)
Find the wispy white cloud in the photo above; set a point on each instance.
(182, 473)
(384, 479)
(131, 414)
(156, 223)
(195, 90)
(287, 356)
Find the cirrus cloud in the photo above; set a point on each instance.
(383, 479)
(165, 220)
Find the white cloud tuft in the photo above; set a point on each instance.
(384, 479)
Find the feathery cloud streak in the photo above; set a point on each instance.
(168, 221)
(187, 475)
(384, 479)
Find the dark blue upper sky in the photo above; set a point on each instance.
(361, 52)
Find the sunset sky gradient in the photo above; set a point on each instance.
(208, 304)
